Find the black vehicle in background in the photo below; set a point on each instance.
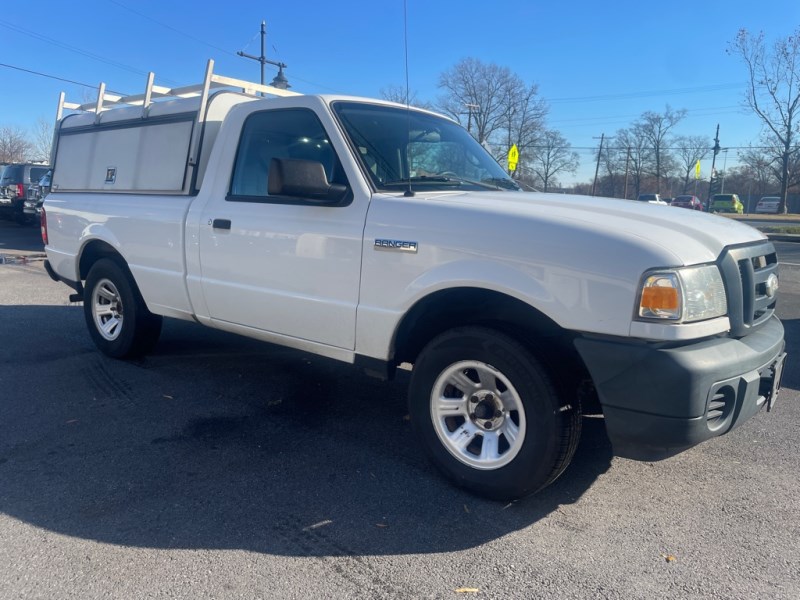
(19, 183)
(32, 207)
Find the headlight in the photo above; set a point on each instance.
(683, 295)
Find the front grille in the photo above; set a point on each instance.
(746, 271)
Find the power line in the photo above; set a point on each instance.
(675, 148)
(583, 122)
(32, 72)
(74, 49)
(671, 92)
(694, 111)
(536, 147)
(171, 28)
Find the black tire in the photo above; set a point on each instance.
(547, 431)
(111, 298)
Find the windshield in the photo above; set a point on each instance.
(399, 147)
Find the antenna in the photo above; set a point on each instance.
(409, 193)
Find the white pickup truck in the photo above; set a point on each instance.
(386, 236)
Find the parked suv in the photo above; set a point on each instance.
(16, 183)
(726, 203)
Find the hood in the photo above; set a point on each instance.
(688, 237)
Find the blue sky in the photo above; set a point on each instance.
(598, 64)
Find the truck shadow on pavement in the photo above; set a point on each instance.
(25, 239)
(216, 441)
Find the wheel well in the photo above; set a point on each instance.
(457, 307)
(94, 251)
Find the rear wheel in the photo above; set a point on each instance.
(116, 315)
(489, 415)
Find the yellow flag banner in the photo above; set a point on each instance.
(513, 158)
(697, 170)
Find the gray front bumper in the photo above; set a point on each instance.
(661, 399)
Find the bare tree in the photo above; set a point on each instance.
(526, 112)
(773, 157)
(480, 92)
(773, 92)
(616, 164)
(764, 169)
(553, 156)
(638, 155)
(690, 149)
(654, 128)
(14, 146)
(497, 107)
(397, 93)
(42, 140)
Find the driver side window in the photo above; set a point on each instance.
(291, 133)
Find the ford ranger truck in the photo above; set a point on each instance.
(385, 236)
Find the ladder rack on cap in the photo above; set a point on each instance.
(211, 81)
(106, 100)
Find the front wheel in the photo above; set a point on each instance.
(489, 415)
(116, 315)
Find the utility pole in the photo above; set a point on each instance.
(724, 166)
(713, 162)
(280, 80)
(597, 168)
(627, 162)
(470, 108)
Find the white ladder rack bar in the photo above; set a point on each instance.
(105, 100)
(63, 104)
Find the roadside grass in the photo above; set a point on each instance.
(787, 217)
(787, 229)
(763, 222)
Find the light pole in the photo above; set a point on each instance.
(749, 189)
(724, 163)
(597, 168)
(599, 153)
(713, 162)
(470, 108)
(280, 80)
(627, 162)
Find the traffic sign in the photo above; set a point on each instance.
(513, 158)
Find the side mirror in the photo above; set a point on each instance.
(302, 179)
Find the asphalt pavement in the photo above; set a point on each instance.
(221, 467)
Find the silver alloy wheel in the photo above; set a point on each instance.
(107, 309)
(478, 415)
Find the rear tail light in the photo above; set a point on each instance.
(44, 227)
(20, 190)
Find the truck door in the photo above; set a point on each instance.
(285, 265)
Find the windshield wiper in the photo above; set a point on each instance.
(502, 182)
(441, 180)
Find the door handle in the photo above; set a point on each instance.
(221, 224)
